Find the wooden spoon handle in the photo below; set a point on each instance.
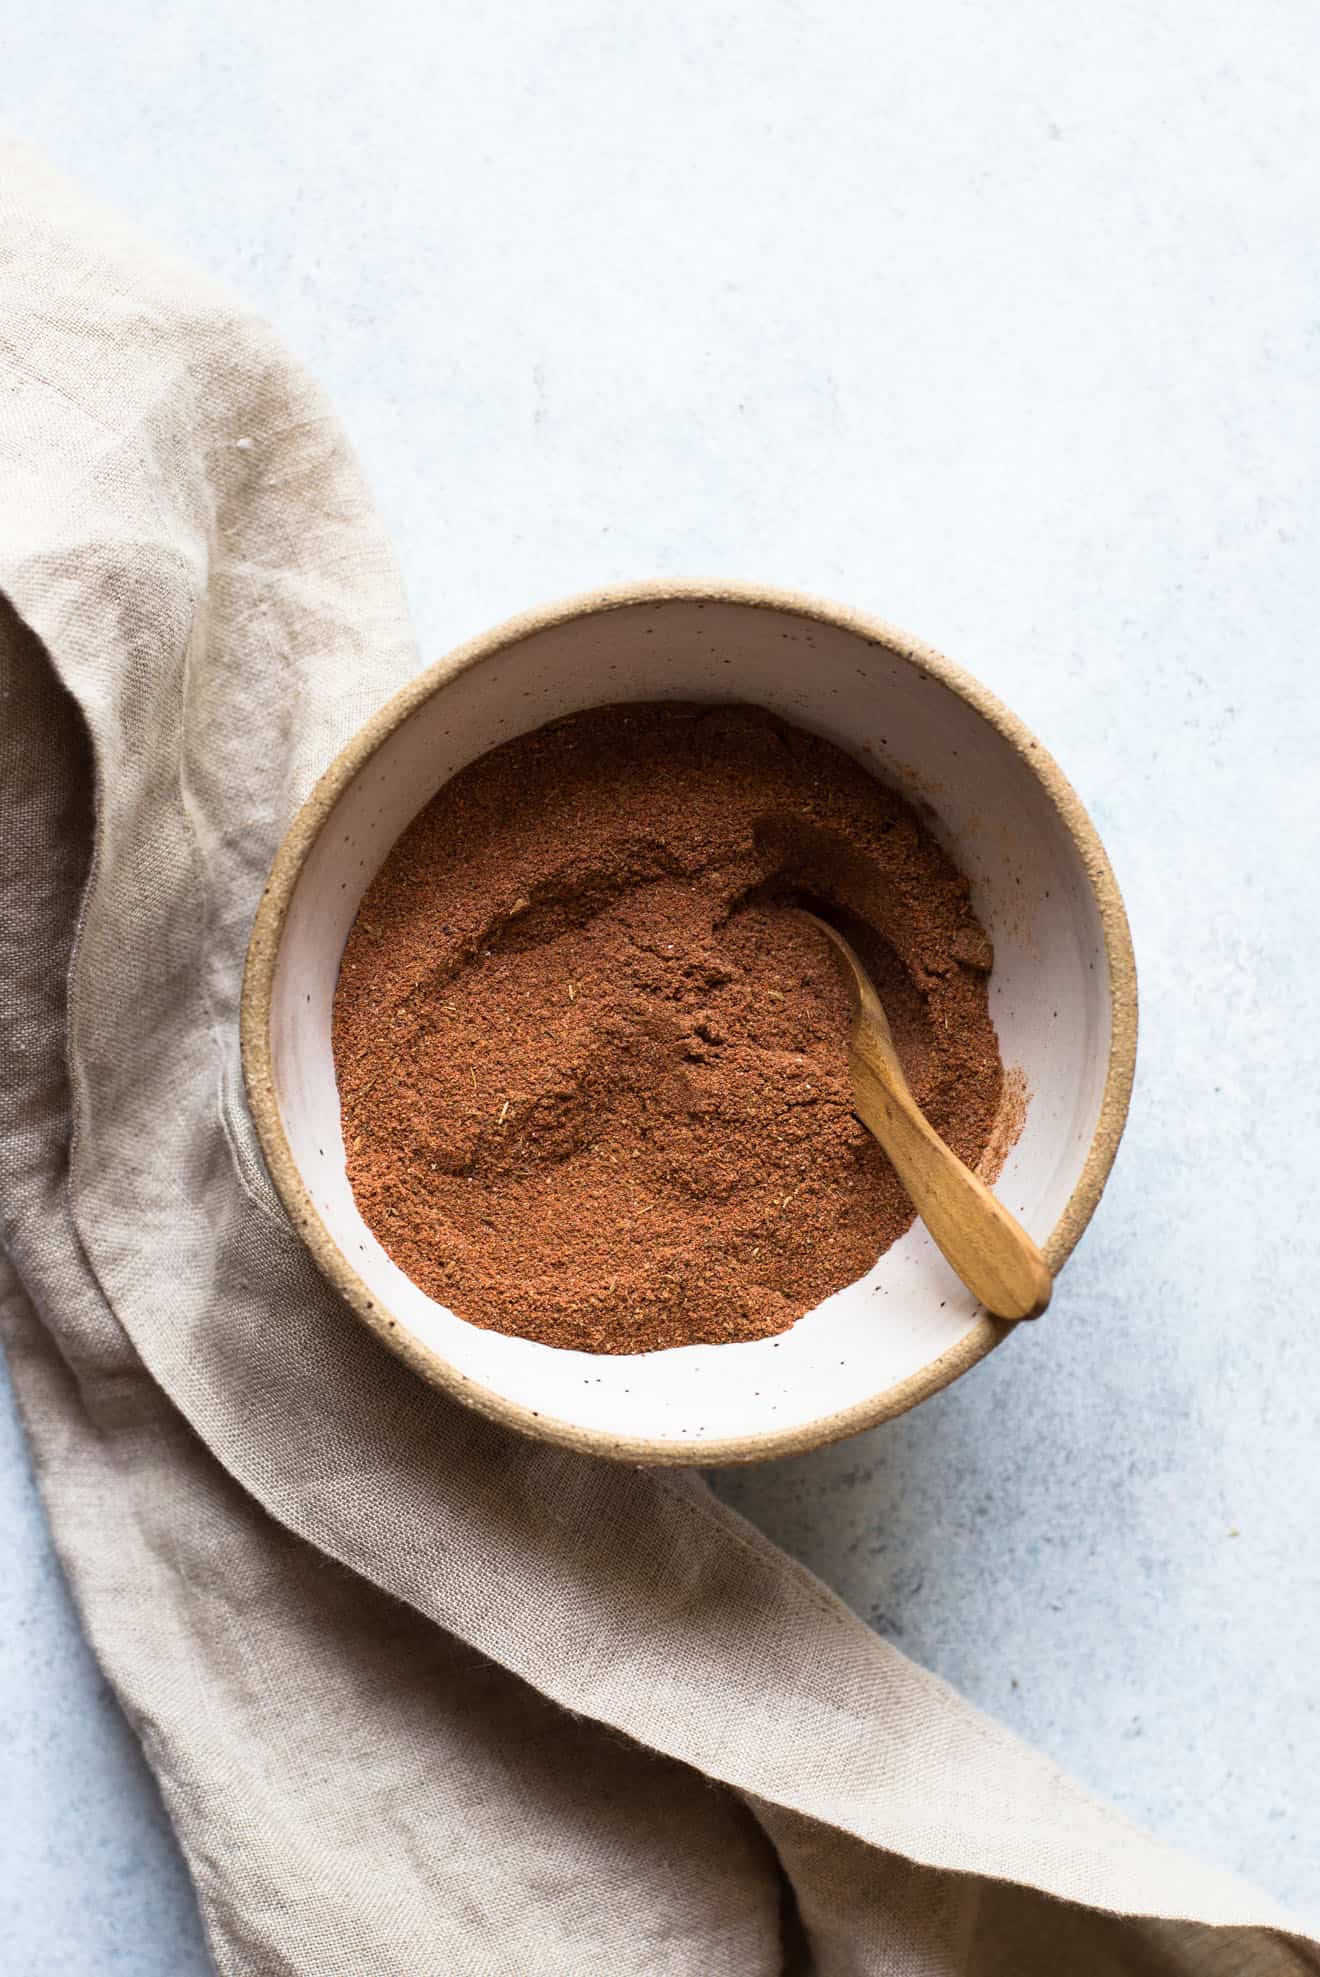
(993, 1254)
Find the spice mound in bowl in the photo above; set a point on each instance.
(593, 1073)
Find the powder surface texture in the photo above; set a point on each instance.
(593, 1069)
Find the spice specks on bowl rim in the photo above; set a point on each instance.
(305, 829)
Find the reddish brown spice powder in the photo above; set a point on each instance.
(593, 1072)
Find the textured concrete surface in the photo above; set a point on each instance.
(1002, 323)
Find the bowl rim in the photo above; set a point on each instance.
(268, 929)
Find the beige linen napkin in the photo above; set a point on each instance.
(422, 1697)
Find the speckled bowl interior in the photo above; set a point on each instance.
(1062, 997)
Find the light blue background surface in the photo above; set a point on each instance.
(1002, 322)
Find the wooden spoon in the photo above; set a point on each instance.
(994, 1256)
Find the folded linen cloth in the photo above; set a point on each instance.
(422, 1697)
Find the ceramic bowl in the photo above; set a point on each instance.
(1062, 995)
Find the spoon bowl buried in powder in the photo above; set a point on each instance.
(594, 1075)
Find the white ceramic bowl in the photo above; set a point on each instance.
(1062, 996)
